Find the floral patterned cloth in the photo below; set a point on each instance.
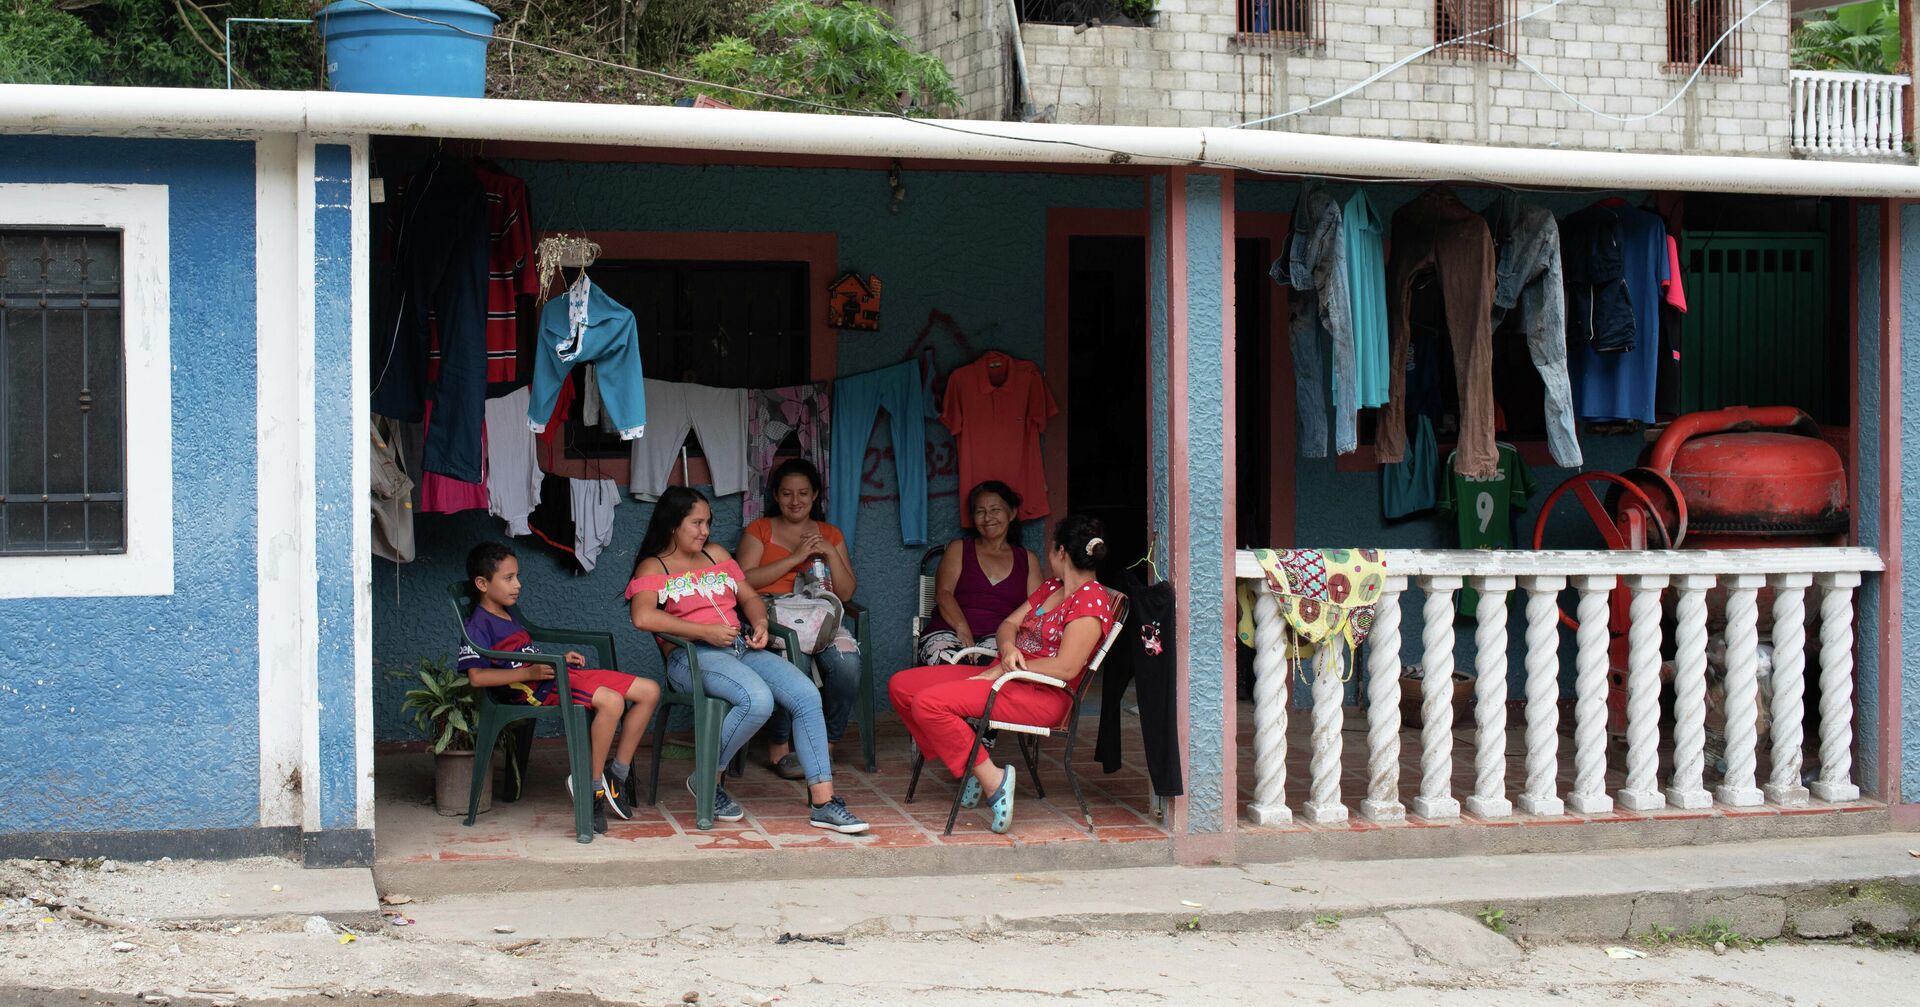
(1325, 593)
(1042, 630)
(804, 411)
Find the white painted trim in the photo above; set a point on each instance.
(1581, 562)
(277, 533)
(134, 111)
(362, 488)
(139, 212)
(305, 495)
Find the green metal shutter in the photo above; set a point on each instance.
(1756, 325)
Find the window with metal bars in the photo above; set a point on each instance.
(1694, 36)
(1279, 22)
(1474, 29)
(62, 393)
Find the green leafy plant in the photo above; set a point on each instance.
(156, 43)
(845, 54)
(1493, 919)
(42, 42)
(1706, 935)
(1862, 38)
(1327, 921)
(1137, 9)
(442, 705)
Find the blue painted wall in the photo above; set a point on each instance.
(162, 691)
(336, 510)
(1872, 609)
(1909, 775)
(968, 244)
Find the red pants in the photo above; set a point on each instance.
(935, 702)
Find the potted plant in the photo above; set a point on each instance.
(443, 709)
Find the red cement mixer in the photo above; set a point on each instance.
(1737, 478)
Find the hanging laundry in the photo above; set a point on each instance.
(1673, 310)
(1483, 508)
(1406, 487)
(1321, 321)
(1621, 386)
(392, 493)
(1528, 278)
(593, 504)
(1367, 287)
(437, 288)
(590, 412)
(510, 272)
(1144, 655)
(857, 402)
(1437, 233)
(1599, 304)
(552, 519)
(442, 494)
(585, 326)
(996, 408)
(803, 412)
(718, 415)
(513, 462)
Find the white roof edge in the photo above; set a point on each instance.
(50, 109)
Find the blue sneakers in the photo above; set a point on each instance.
(835, 817)
(724, 808)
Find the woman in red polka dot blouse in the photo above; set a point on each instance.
(1054, 634)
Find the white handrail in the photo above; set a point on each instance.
(1725, 593)
(1837, 114)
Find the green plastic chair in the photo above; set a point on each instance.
(495, 717)
(709, 713)
(867, 727)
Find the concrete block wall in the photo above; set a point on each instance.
(971, 38)
(1190, 71)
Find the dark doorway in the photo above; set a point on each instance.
(1107, 471)
(1253, 353)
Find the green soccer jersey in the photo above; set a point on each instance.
(1484, 508)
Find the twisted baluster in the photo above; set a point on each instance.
(1382, 803)
(1743, 691)
(1323, 804)
(1688, 788)
(1270, 681)
(1642, 792)
(1789, 688)
(1836, 688)
(1543, 696)
(1589, 794)
(1436, 707)
(1489, 799)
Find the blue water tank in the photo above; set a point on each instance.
(372, 50)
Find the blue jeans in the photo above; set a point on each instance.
(857, 401)
(755, 682)
(839, 669)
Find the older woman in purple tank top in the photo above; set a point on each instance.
(982, 578)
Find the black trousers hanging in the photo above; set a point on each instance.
(1144, 656)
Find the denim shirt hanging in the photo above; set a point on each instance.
(1527, 276)
(1315, 266)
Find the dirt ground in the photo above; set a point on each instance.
(52, 954)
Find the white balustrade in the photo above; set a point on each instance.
(1650, 579)
(1838, 114)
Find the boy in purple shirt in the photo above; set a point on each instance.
(495, 573)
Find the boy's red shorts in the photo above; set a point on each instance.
(584, 681)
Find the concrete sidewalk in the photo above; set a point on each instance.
(1814, 887)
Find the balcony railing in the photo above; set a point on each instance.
(1848, 114)
(1736, 578)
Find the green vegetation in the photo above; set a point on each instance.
(844, 54)
(1863, 38)
(154, 43)
(1706, 935)
(1493, 919)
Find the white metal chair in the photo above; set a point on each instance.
(986, 728)
(929, 587)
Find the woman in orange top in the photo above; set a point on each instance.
(773, 550)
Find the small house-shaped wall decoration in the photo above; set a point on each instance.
(854, 303)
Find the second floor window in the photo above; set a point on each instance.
(1698, 34)
(1474, 29)
(1279, 22)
